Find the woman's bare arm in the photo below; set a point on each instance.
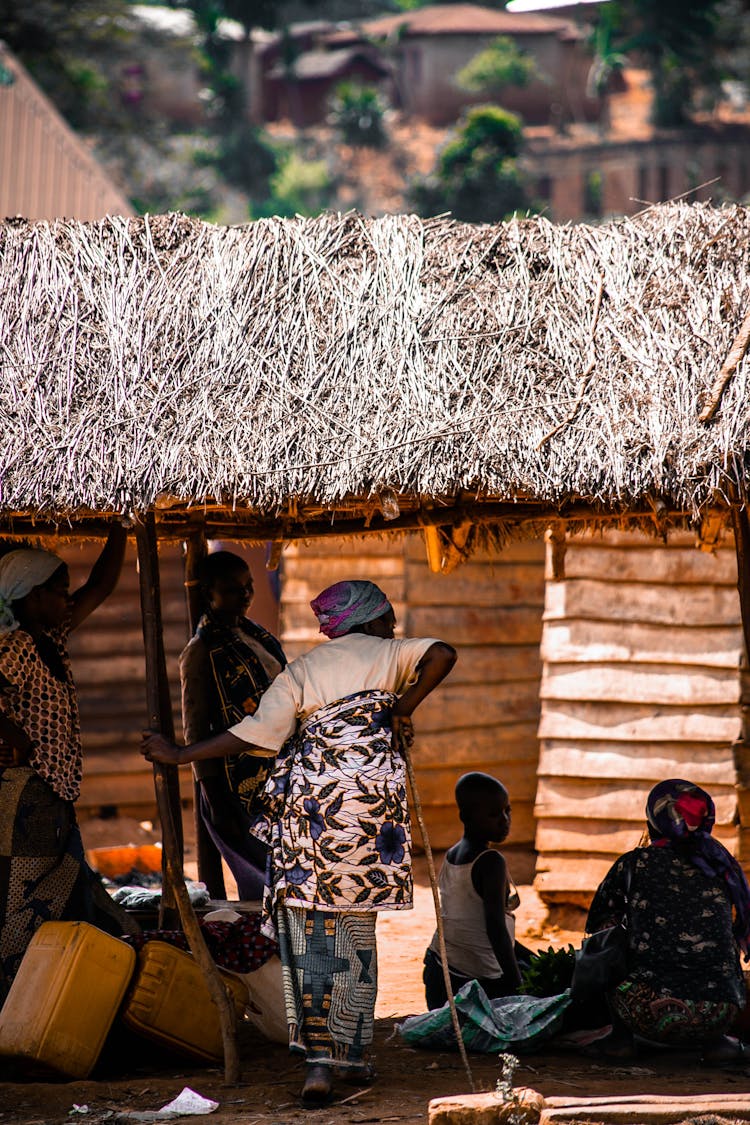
(156, 748)
(432, 668)
(103, 577)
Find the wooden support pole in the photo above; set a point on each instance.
(405, 749)
(166, 780)
(741, 748)
(556, 539)
(176, 524)
(160, 719)
(210, 870)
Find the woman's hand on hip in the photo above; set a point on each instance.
(156, 748)
(403, 730)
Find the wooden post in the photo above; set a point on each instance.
(160, 719)
(556, 537)
(210, 870)
(741, 748)
(166, 780)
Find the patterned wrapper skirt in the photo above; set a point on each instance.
(330, 969)
(336, 821)
(663, 1018)
(43, 874)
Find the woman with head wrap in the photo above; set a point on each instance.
(43, 876)
(336, 817)
(224, 671)
(686, 903)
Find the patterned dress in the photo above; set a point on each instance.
(336, 821)
(43, 874)
(684, 980)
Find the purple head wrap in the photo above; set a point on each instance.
(345, 604)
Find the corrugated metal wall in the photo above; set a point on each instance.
(46, 171)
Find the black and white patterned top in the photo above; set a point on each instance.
(679, 925)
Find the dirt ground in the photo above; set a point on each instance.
(132, 1076)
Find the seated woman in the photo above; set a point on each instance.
(224, 670)
(687, 905)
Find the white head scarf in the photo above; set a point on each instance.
(20, 572)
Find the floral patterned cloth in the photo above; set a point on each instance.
(662, 1018)
(238, 946)
(335, 815)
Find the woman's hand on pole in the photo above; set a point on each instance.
(156, 748)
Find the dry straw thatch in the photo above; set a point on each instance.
(313, 366)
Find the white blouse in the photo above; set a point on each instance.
(332, 671)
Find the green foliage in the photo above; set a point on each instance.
(498, 66)
(549, 973)
(246, 159)
(476, 177)
(593, 190)
(357, 112)
(484, 128)
(299, 187)
(677, 39)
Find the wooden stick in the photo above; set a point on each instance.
(160, 719)
(728, 368)
(404, 748)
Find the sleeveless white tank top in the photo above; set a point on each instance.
(466, 941)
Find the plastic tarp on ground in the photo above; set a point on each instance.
(487, 1026)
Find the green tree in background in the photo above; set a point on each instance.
(477, 177)
(495, 68)
(677, 40)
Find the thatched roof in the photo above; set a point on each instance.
(314, 368)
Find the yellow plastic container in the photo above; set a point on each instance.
(169, 1002)
(65, 997)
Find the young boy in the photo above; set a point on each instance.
(477, 898)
